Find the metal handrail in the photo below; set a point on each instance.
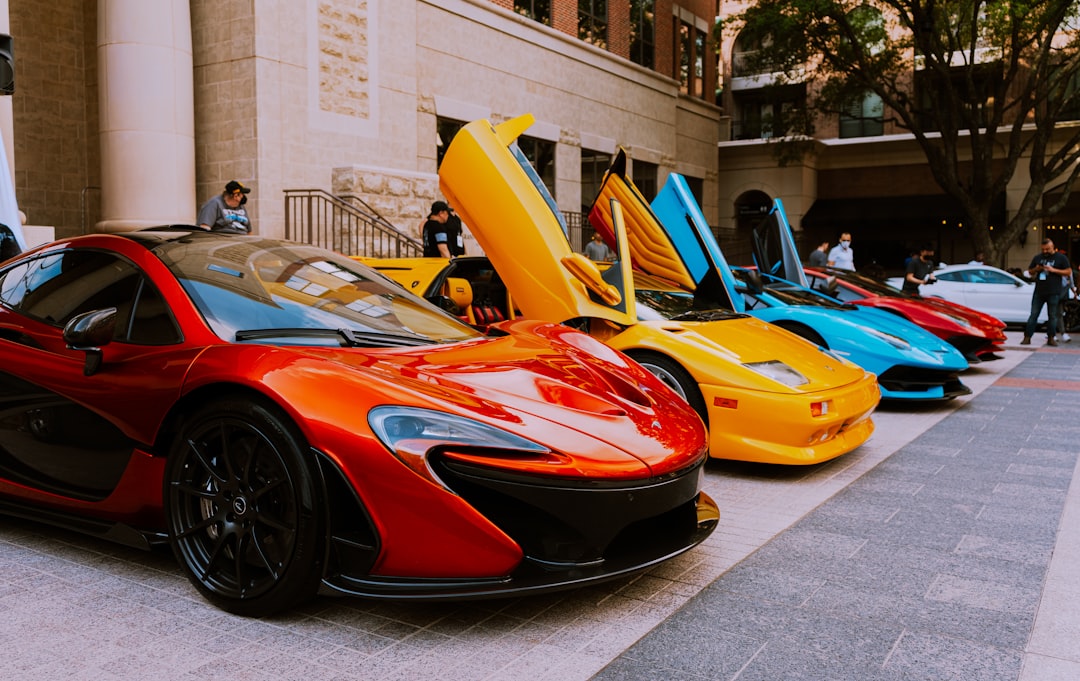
(346, 224)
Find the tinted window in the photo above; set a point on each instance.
(59, 286)
(257, 290)
(987, 277)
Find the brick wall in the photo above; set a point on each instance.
(619, 28)
(55, 112)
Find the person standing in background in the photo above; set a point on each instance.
(819, 257)
(597, 250)
(842, 256)
(920, 270)
(1047, 268)
(225, 212)
(442, 237)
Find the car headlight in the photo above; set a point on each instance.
(956, 319)
(410, 433)
(778, 371)
(895, 341)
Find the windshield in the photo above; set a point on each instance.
(654, 305)
(782, 291)
(795, 295)
(259, 290)
(874, 286)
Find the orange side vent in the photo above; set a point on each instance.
(725, 402)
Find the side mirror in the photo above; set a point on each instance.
(754, 281)
(88, 332)
(586, 271)
(832, 286)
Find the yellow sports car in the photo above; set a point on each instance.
(766, 394)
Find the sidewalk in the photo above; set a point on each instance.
(957, 558)
(927, 552)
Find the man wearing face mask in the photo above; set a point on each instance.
(842, 256)
(920, 270)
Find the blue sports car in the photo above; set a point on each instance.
(670, 238)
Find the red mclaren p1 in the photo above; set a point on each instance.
(288, 419)
(975, 334)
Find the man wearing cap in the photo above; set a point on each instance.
(441, 234)
(225, 212)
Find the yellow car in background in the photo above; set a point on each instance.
(765, 394)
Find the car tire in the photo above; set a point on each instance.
(674, 376)
(242, 507)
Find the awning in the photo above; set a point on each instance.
(891, 212)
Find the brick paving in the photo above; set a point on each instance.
(764, 597)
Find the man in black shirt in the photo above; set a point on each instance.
(442, 233)
(920, 270)
(1047, 268)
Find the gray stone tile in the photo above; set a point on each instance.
(932, 657)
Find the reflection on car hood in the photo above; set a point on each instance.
(748, 340)
(540, 381)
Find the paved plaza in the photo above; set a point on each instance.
(945, 548)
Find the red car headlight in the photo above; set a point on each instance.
(410, 433)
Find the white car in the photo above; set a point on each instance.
(984, 288)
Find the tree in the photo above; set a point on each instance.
(981, 85)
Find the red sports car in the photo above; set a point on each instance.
(976, 334)
(287, 418)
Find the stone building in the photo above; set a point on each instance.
(864, 175)
(129, 113)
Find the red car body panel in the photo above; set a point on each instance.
(979, 336)
(602, 418)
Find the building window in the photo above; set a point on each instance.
(971, 88)
(1070, 99)
(682, 50)
(697, 188)
(593, 166)
(643, 32)
(864, 118)
(537, 10)
(690, 59)
(766, 113)
(592, 22)
(445, 129)
(746, 58)
(645, 178)
(698, 88)
(541, 154)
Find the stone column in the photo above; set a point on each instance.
(146, 95)
(7, 125)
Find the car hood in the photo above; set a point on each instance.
(487, 178)
(957, 310)
(547, 383)
(747, 341)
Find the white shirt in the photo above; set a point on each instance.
(842, 257)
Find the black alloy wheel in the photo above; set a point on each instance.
(242, 508)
